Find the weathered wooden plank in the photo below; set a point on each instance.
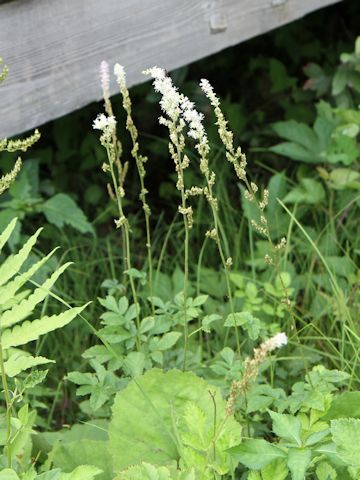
(54, 47)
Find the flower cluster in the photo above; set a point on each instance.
(16, 145)
(102, 122)
(251, 370)
(7, 179)
(105, 79)
(170, 97)
(107, 125)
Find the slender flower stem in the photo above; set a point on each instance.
(8, 407)
(186, 250)
(126, 237)
(140, 165)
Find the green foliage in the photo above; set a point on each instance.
(185, 422)
(299, 411)
(25, 199)
(16, 308)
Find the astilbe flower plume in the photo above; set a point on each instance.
(251, 370)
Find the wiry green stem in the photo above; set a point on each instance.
(8, 406)
(126, 234)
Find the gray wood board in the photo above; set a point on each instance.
(53, 48)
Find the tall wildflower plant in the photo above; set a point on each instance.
(182, 120)
(140, 161)
(117, 170)
(237, 159)
(181, 112)
(171, 105)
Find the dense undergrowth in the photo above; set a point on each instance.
(222, 337)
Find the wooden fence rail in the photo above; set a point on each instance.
(53, 48)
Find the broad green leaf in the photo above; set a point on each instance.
(19, 362)
(8, 474)
(308, 191)
(69, 456)
(5, 235)
(279, 76)
(344, 178)
(168, 340)
(83, 472)
(146, 471)
(12, 264)
(249, 323)
(254, 475)
(346, 434)
(276, 470)
(297, 132)
(324, 471)
(23, 309)
(343, 406)
(286, 426)
(339, 81)
(61, 209)
(29, 331)
(296, 152)
(164, 397)
(298, 462)
(134, 364)
(257, 453)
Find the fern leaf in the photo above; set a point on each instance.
(17, 298)
(29, 331)
(24, 309)
(9, 290)
(19, 362)
(12, 264)
(4, 237)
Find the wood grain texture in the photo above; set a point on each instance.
(54, 47)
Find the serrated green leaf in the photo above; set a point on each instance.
(345, 434)
(23, 309)
(256, 453)
(297, 132)
(168, 340)
(308, 191)
(70, 455)
(12, 264)
(5, 235)
(276, 470)
(286, 426)
(134, 364)
(146, 471)
(8, 474)
(29, 331)
(10, 289)
(164, 397)
(296, 152)
(298, 462)
(324, 471)
(61, 209)
(83, 472)
(19, 362)
(343, 406)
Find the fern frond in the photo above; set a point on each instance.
(12, 264)
(32, 330)
(4, 237)
(10, 289)
(20, 361)
(17, 298)
(25, 308)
